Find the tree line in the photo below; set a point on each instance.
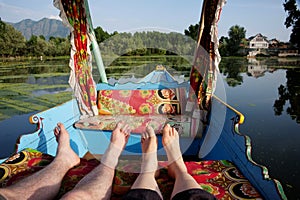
(235, 43)
(13, 43)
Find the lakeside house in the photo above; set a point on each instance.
(259, 45)
(259, 42)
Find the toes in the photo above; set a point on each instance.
(119, 125)
(125, 129)
(150, 131)
(60, 126)
(172, 131)
(166, 128)
(143, 137)
(56, 130)
(175, 132)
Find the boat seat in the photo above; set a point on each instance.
(220, 178)
(137, 123)
(141, 107)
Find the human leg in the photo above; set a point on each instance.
(145, 185)
(98, 183)
(184, 182)
(45, 183)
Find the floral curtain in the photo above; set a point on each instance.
(206, 60)
(74, 15)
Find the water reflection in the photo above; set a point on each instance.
(256, 68)
(55, 80)
(38, 93)
(32, 85)
(25, 71)
(266, 91)
(232, 68)
(289, 94)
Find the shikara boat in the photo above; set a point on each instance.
(217, 155)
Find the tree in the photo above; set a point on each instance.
(58, 46)
(192, 31)
(293, 20)
(100, 34)
(31, 44)
(236, 35)
(232, 45)
(223, 43)
(12, 42)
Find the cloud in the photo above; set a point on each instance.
(54, 17)
(29, 10)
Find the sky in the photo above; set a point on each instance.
(256, 16)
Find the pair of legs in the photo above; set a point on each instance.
(45, 183)
(185, 186)
(98, 183)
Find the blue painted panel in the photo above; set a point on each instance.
(44, 139)
(98, 141)
(233, 146)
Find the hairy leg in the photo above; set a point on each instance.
(146, 179)
(45, 183)
(98, 183)
(177, 168)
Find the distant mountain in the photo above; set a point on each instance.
(46, 27)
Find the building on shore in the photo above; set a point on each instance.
(259, 42)
(259, 45)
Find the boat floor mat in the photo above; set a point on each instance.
(220, 178)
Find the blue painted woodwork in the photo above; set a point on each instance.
(230, 144)
(43, 138)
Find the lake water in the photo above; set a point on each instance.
(266, 91)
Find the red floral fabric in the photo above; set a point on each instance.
(140, 102)
(221, 178)
(81, 79)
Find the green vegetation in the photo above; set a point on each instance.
(232, 46)
(14, 44)
(148, 43)
(293, 20)
(18, 98)
(192, 31)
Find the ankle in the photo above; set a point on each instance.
(149, 163)
(177, 168)
(111, 156)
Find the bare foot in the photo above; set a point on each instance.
(149, 140)
(118, 140)
(120, 134)
(170, 141)
(64, 150)
(149, 149)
